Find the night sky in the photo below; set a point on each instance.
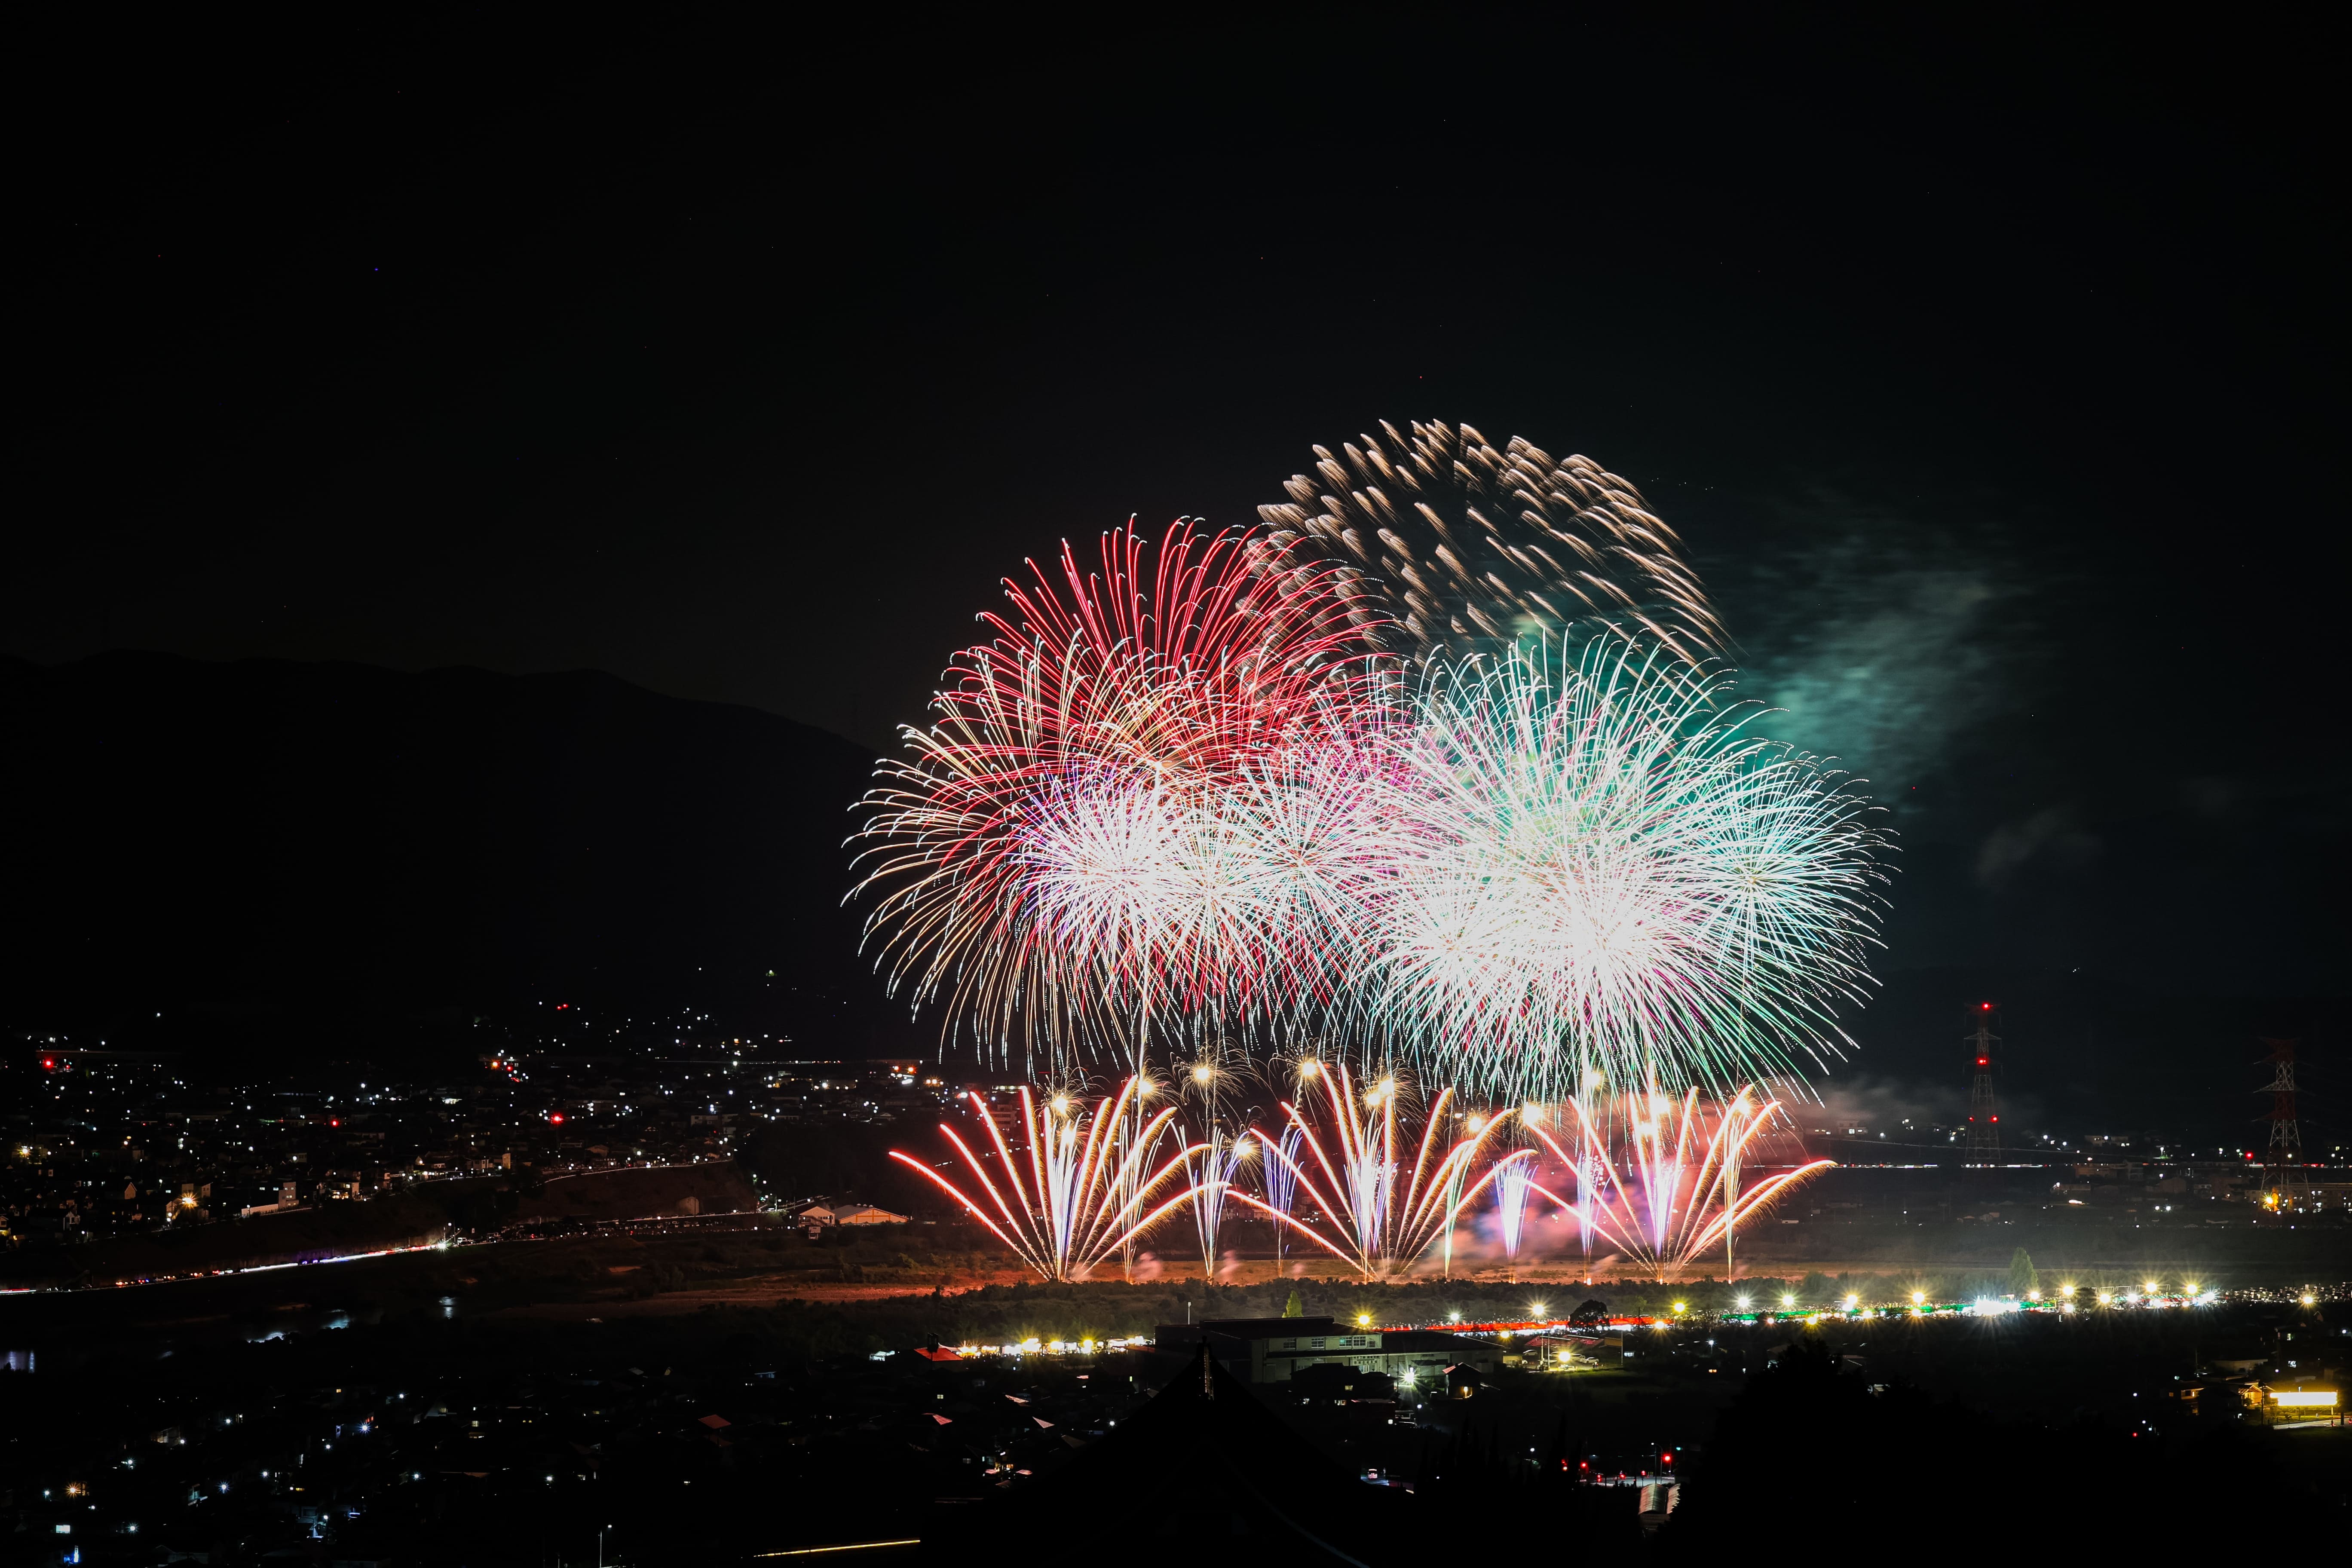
(1993, 373)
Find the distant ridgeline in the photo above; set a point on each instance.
(277, 846)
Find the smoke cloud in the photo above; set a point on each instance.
(1883, 641)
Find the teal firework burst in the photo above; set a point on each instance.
(1603, 876)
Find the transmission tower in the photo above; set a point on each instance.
(2285, 1152)
(1984, 1116)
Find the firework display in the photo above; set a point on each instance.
(1362, 1175)
(1436, 763)
(1140, 798)
(1209, 1176)
(1664, 1190)
(1459, 545)
(1081, 1186)
(1355, 1173)
(1600, 869)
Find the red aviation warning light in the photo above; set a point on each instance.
(49, 1064)
(555, 1118)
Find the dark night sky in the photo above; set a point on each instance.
(1992, 372)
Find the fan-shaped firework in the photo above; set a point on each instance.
(1669, 1194)
(1606, 873)
(1358, 1178)
(1147, 792)
(1082, 1185)
(1459, 545)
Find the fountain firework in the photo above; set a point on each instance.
(1668, 1191)
(1392, 1217)
(1513, 1186)
(1082, 1186)
(1209, 1177)
(1279, 1173)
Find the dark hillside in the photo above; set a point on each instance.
(275, 844)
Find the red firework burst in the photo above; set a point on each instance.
(1123, 806)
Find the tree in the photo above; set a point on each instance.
(2023, 1280)
(1294, 1308)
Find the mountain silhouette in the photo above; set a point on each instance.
(305, 842)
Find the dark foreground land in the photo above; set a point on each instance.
(237, 1422)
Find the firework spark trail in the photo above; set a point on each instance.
(1210, 1181)
(1210, 1177)
(1279, 1176)
(1143, 795)
(1514, 1183)
(1657, 1202)
(1459, 545)
(1392, 1217)
(1606, 872)
(1079, 1191)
